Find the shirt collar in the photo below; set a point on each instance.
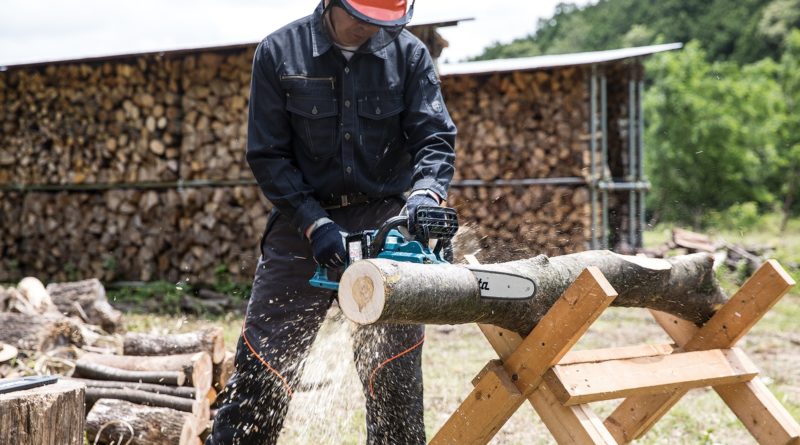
(320, 42)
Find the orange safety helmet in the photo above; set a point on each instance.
(383, 13)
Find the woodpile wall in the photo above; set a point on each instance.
(134, 168)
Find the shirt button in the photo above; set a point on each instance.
(347, 136)
(347, 70)
(347, 103)
(348, 169)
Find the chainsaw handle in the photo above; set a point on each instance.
(380, 236)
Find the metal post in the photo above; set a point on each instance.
(640, 176)
(604, 146)
(631, 170)
(592, 151)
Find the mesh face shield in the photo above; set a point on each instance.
(388, 30)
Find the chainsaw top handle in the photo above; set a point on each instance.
(380, 236)
(433, 222)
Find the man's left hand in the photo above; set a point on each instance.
(414, 201)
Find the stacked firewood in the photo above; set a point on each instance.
(155, 387)
(162, 386)
(101, 123)
(521, 125)
(216, 91)
(133, 234)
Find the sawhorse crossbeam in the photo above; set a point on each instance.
(560, 383)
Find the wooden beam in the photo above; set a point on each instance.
(562, 326)
(590, 382)
(494, 399)
(637, 414)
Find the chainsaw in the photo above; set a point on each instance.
(434, 225)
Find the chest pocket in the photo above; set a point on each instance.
(315, 121)
(380, 124)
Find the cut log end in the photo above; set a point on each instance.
(363, 282)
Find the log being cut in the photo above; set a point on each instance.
(378, 290)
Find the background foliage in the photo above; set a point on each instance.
(723, 130)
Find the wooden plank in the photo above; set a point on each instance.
(637, 414)
(619, 353)
(560, 328)
(590, 382)
(569, 424)
(494, 399)
(766, 419)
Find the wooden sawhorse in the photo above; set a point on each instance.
(651, 378)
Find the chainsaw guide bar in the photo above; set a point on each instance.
(503, 286)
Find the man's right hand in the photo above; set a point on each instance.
(327, 243)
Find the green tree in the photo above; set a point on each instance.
(711, 134)
(789, 135)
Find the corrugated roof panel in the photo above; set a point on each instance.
(551, 61)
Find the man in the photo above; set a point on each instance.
(346, 115)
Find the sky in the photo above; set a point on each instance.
(43, 30)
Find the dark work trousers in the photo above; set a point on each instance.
(282, 320)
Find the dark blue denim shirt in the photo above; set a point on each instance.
(320, 127)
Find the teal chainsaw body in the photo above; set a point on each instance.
(393, 242)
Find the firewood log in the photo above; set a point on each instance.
(102, 372)
(48, 415)
(196, 367)
(379, 290)
(90, 296)
(185, 392)
(223, 371)
(208, 340)
(118, 421)
(38, 332)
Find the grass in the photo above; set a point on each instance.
(332, 412)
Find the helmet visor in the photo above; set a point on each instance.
(384, 13)
(386, 33)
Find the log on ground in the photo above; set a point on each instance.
(196, 367)
(86, 299)
(38, 332)
(119, 421)
(47, 415)
(206, 340)
(379, 290)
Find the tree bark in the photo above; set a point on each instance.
(103, 372)
(196, 367)
(38, 332)
(223, 371)
(115, 420)
(47, 415)
(389, 291)
(185, 392)
(208, 340)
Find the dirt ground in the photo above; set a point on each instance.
(329, 407)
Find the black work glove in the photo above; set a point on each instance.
(327, 243)
(411, 208)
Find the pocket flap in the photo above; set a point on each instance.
(380, 107)
(312, 107)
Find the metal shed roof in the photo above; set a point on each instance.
(433, 22)
(551, 61)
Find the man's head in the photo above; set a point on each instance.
(354, 22)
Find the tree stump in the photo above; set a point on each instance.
(47, 415)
